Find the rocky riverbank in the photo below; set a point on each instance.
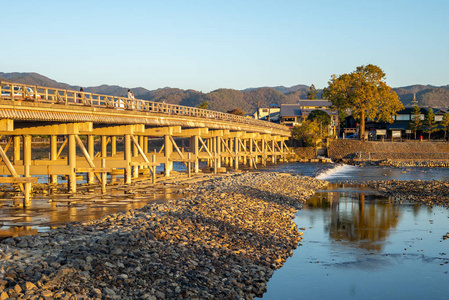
(425, 192)
(222, 242)
(415, 163)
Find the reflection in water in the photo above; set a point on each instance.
(358, 245)
(364, 220)
(49, 210)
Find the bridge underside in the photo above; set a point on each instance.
(99, 142)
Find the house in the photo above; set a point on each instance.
(400, 128)
(291, 115)
(265, 113)
(294, 114)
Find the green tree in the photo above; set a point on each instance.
(322, 118)
(312, 93)
(204, 105)
(430, 125)
(445, 124)
(365, 92)
(309, 133)
(416, 123)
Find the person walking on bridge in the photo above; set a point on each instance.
(130, 103)
(130, 94)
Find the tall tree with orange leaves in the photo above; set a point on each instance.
(365, 93)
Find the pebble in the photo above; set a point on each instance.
(224, 240)
(435, 192)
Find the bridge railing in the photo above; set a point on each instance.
(23, 92)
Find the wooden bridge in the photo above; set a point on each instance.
(103, 134)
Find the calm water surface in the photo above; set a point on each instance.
(359, 245)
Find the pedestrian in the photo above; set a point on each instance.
(80, 96)
(420, 137)
(130, 94)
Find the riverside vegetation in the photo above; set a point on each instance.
(224, 241)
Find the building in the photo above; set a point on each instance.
(266, 113)
(400, 128)
(291, 114)
(295, 114)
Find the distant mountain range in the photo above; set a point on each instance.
(226, 99)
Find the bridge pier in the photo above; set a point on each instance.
(168, 150)
(127, 156)
(52, 178)
(71, 162)
(27, 165)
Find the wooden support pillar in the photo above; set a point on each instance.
(27, 164)
(16, 148)
(168, 149)
(236, 148)
(264, 155)
(153, 168)
(218, 152)
(103, 176)
(113, 145)
(257, 152)
(53, 156)
(135, 169)
(71, 161)
(189, 165)
(208, 147)
(145, 144)
(284, 154)
(91, 151)
(194, 148)
(231, 152)
(245, 162)
(273, 155)
(227, 157)
(128, 158)
(141, 141)
(251, 153)
(104, 146)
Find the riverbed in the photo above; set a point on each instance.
(355, 242)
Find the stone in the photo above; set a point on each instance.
(30, 286)
(46, 294)
(109, 291)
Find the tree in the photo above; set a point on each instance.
(236, 111)
(429, 122)
(204, 105)
(445, 124)
(365, 92)
(308, 132)
(416, 122)
(311, 95)
(321, 117)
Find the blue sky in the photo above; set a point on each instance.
(206, 45)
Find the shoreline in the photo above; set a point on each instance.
(223, 241)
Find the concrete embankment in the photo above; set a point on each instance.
(222, 242)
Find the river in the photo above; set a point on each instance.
(359, 245)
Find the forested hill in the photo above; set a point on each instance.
(226, 99)
(426, 95)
